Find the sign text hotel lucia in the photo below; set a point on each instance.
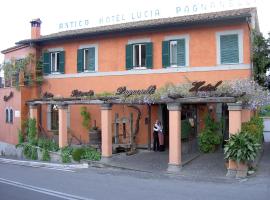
(190, 7)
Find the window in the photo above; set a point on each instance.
(9, 115)
(86, 60)
(139, 56)
(174, 53)
(54, 118)
(230, 47)
(55, 62)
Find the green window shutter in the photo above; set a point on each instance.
(166, 54)
(80, 60)
(149, 55)
(181, 52)
(91, 59)
(46, 63)
(62, 62)
(229, 50)
(129, 56)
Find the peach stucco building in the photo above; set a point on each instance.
(207, 47)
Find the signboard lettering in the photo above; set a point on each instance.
(123, 91)
(199, 86)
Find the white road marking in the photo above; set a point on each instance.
(43, 190)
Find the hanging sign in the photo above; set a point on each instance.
(123, 91)
(199, 86)
(78, 93)
(8, 97)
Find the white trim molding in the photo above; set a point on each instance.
(51, 50)
(87, 46)
(179, 37)
(240, 44)
(140, 40)
(153, 71)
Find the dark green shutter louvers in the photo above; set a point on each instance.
(229, 50)
(165, 54)
(149, 55)
(80, 60)
(91, 58)
(129, 56)
(181, 52)
(46, 63)
(62, 62)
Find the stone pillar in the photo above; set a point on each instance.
(235, 121)
(106, 131)
(63, 134)
(174, 137)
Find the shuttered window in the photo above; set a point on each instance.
(229, 49)
(86, 59)
(174, 53)
(53, 62)
(139, 56)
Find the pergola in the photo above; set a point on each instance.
(173, 105)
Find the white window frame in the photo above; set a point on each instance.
(240, 45)
(140, 56)
(179, 37)
(87, 46)
(57, 56)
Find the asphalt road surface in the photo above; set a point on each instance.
(27, 183)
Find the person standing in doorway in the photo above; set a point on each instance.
(161, 137)
(155, 136)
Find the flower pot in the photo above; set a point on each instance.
(95, 137)
(242, 169)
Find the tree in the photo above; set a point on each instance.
(261, 56)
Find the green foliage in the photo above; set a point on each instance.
(32, 131)
(265, 111)
(210, 137)
(45, 155)
(30, 151)
(241, 147)
(261, 59)
(86, 118)
(20, 137)
(48, 144)
(185, 129)
(77, 154)
(66, 153)
(91, 154)
(255, 128)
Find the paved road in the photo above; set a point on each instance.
(109, 184)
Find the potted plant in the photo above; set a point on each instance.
(94, 132)
(241, 148)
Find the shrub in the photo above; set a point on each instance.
(91, 154)
(77, 154)
(66, 154)
(86, 118)
(20, 137)
(30, 152)
(209, 138)
(48, 144)
(32, 131)
(241, 147)
(255, 128)
(45, 155)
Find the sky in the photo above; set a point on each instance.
(61, 15)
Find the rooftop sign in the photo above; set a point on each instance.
(179, 9)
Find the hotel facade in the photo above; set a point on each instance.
(141, 55)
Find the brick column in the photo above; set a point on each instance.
(106, 131)
(235, 121)
(33, 110)
(174, 137)
(63, 134)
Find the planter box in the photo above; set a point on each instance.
(242, 169)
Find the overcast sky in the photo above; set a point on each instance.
(60, 15)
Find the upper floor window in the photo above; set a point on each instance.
(230, 47)
(139, 55)
(87, 59)
(54, 62)
(174, 53)
(9, 115)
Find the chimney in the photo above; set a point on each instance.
(35, 28)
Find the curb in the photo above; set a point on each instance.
(43, 164)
